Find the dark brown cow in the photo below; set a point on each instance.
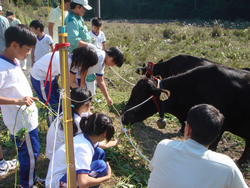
(226, 88)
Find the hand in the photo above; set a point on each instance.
(116, 141)
(109, 101)
(26, 100)
(109, 171)
(91, 46)
(83, 85)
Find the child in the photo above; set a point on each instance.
(43, 43)
(97, 34)
(16, 100)
(80, 57)
(11, 17)
(80, 103)
(98, 39)
(91, 169)
(110, 57)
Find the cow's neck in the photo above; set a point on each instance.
(161, 69)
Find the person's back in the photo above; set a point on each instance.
(190, 164)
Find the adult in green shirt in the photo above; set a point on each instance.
(78, 35)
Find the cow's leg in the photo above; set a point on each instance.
(182, 126)
(246, 154)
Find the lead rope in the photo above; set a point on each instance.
(54, 146)
(126, 131)
(121, 77)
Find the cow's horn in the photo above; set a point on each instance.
(161, 123)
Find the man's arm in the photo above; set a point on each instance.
(21, 101)
(84, 180)
(102, 86)
(51, 25)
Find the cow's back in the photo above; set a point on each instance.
(225, 88)
(179, 64)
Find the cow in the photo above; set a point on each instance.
(226, 88)
(176, 65)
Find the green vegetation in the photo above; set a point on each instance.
(223, 42)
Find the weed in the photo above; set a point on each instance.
(167, 33)
(216, 32)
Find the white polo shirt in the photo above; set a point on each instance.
(55, 16)
(60, 133)
(84, 151)
(40, 68)
(189, 164)
(42, 46)
(13, 84)
(98, 69)
(100, 38)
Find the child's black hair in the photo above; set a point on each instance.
(97, 22)
(37, 24)
(117, 54)
(78, 95)
(20, 34)
(84, 57)
(97, 124)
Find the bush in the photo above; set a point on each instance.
(167, 33)
(216, 31)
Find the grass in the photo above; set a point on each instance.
(220, 41)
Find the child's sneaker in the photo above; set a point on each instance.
(9, 165)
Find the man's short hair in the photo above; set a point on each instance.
(206, 122)
(117, 54)
(20, 34)
(97, 22)
(73, 5)
(37, 24)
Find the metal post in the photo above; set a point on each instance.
(97, 9)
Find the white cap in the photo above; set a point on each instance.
(1, 8)
(83, 3)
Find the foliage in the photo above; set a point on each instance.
(216, 31)
(143, 42)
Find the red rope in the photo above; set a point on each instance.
(49, 72)
(150, 68)
(154, 99)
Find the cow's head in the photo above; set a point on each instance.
(147, 69)
(141, 92)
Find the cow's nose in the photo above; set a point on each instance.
(137, 71)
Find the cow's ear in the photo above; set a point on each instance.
(162, 94)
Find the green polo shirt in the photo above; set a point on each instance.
(76, 30)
